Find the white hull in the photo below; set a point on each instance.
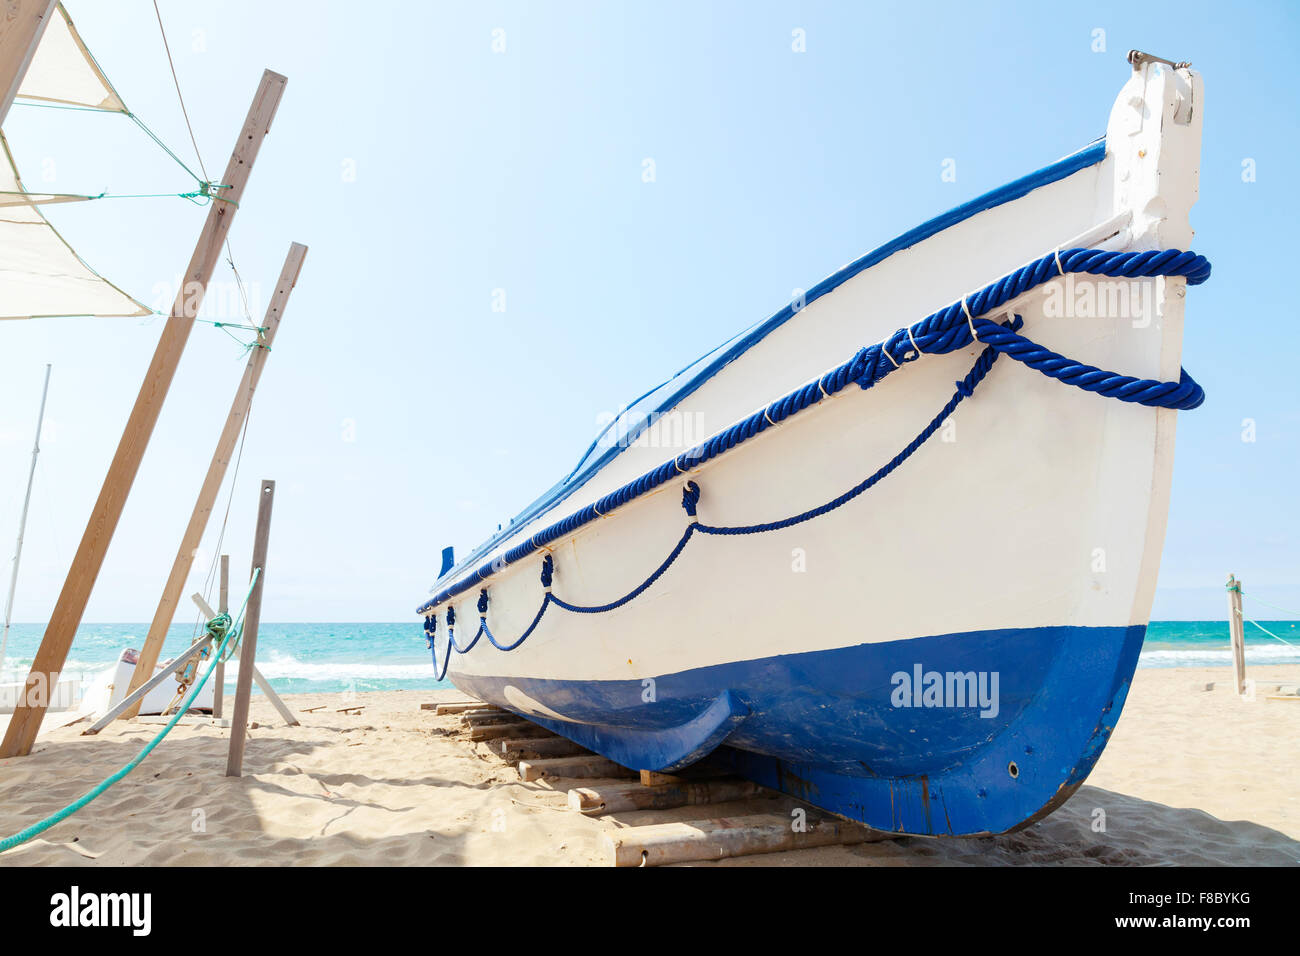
(1036, 506)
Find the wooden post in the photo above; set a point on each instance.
(248, 642)
(22, 23)
(1237, 633)
(65, 619)
(262, 682)
(219, 675)
(171, 596)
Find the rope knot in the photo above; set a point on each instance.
(482, 601)
(451, 616)
(548, 569)
(690, 497)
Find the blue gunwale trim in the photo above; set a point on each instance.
(1090, 155)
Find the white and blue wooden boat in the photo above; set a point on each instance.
(912, 603)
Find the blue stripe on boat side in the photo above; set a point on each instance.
(1088, 156)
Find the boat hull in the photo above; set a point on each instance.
(944, 653)
(831, 726)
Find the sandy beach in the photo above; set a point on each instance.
(1191, 776)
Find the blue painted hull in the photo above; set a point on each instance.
(868, 732)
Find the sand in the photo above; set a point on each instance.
(1191, 776)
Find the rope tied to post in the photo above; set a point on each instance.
(219, 627)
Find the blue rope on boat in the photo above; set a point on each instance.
(690, 501)
(947, 330)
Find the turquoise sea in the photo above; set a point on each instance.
(295, 658)
(306, 658)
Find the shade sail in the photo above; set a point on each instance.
(40, 274)
(63, 71)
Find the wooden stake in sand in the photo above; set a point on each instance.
(248, 642)
(219, 675)
(264, 684)
(211, 487)
(1237, 632)
(86, 564)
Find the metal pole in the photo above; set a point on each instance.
(22, 522)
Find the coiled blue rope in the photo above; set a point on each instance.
(941, 332)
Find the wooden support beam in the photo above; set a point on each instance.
(248, 640)
(489, 718)
(1237, 634)
(225, 450)
(459, 707)
(497, 732)
(618, 798)
(734, 836)
(286, 714)
(22, 24)
(652, 778)
(86, 564)
(223, 605)
(573, 768)
(514, 749)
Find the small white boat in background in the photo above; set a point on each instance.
(66, 696)
(913, 604)
(109, 688)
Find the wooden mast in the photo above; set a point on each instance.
(22, 23)
(61, 630)
(22, 521)
(171, 595)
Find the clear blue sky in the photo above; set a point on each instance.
(521, 171)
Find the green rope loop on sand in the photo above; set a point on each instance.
(219, 626)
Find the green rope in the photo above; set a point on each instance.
(219, 625)
(197, 196)
(1237, 587)
(1271, 634)
(207, 191)
(1255, 597)
(227, 326)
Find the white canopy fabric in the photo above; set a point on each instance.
(14, 198)
(63, 71)
(40, 274)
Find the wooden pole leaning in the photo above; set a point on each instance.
(22, 24)
(235, 421)
(248, 640)
(86, 564)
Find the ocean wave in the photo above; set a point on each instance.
(282, 666)
(1215, 657)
